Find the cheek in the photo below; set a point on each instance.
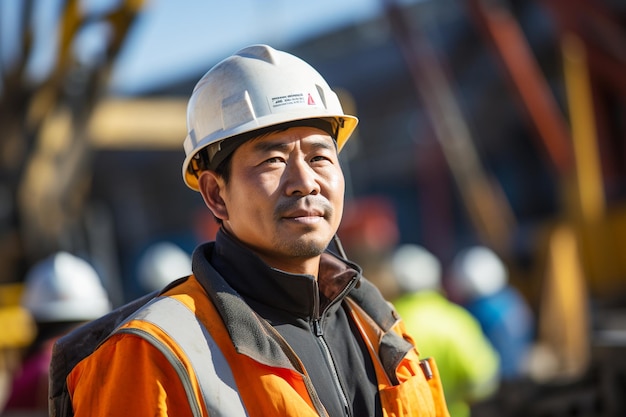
(248, 202)
(337, 189)
(337, 185)
(339, 212)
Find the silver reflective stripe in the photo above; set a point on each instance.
(176, 364)
(215, 378)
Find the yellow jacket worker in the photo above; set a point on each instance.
(272, 322)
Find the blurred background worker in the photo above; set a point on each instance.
(467, 362)
(160, 264)
(61, 292)
(18, 332)
(479, 279)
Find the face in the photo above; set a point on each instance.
(284, 198)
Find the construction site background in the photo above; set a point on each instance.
(501, 123)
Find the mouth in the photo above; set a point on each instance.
(306, 211)
(305, 216)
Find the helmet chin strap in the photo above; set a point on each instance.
(341, 252)
(339, 247)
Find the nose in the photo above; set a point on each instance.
(301, 179)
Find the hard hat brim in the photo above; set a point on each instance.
(347, 125)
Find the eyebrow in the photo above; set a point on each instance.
(268, 146)
(264, 146)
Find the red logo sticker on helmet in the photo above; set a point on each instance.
(310, 101)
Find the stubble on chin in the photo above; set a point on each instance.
(304, 245)
(306, 249)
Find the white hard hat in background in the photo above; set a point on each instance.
(161, 264)
(416, 268)
(64, 287)
(477, 272)
(256, 88)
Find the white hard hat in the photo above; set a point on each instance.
(477, 272)
(64, 287)
(416, 268)
(162, 263)
(257, 87)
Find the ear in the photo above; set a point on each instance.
(210, 186)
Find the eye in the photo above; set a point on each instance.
(320, 159)
(274, 160)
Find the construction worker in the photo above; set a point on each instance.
(160, 264)
(18, 332)
(274, 321)
(468, 363)
(479, 280)
(61, 292)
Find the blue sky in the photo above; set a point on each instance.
(174, 38)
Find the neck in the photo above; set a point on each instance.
(308, 266)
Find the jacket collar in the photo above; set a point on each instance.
(255, 337)
(302, 295)
(225, 267)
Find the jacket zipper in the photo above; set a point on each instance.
(329, 358)
(319, 333)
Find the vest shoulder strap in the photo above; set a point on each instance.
(77, 345)
(214, 375)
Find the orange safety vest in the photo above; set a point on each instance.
(175, 357)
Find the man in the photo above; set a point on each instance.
(61, 292)
(480, 282)
(468, 363)
(272, 322)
